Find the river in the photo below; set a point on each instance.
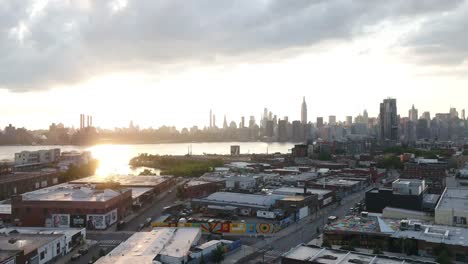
(114, 158)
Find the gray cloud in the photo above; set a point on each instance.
(66, 42)
(442, 40)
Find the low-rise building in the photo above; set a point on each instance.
(431, 170)
(200, 188)
(30, 158)
(29, 245)
(405, 194)
(71, 205)
(307, 254)
(452, 208)
(247, 204)
(161, 245)
(412, 237)
(324, 197)
(241, 183)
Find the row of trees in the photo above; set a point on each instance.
(177, 166)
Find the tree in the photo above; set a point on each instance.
(326, 244)
(377, 251)
(202, 259)
(444, 256)
(102, 252)
(217, 256)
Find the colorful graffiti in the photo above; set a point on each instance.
(232, 228)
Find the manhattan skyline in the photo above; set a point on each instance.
(234, 58)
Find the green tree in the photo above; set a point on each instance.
(217, 256)
(102, 252)
(326, 244)
(377, 251)
(202, 259)
(443, 253)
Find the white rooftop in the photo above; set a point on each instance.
(127, 180)
(70, 192)
(330, 256)
(456, 198)
(143, 247)
(243, 199)
(291, 191)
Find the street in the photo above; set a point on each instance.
(303, 232)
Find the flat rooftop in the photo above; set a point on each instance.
(235, 199)
(337, 182)
(192, 183)
(292, 191)
(456, 198)
(5, 209)
(70, 192)
(26, 242)
(139, 191)
(375, 224)
(331, 256)
(143, 247)
(69, 232)
(126, 180)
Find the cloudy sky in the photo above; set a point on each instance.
(168, 62)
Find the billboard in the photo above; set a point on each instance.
(95, 222)
(100, 221)
(60, 220)
(77, 220)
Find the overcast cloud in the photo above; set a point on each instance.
(65, 42)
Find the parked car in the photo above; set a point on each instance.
(140, 227)
(148, 221)
(76, 256)
(83, 251)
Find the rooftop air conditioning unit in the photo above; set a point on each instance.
(417, 226)
(404, 224)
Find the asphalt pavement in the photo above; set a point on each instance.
(273, 247)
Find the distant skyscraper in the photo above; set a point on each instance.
(349, 120)
(319, 122)
(242, 122)
(388, 120)
(413, 114)
(214, 120)
(331, 120)
(304, 112)
(225, 124)
(211, 119)
(252, 121)
(426, 115)
(453, 113)
(463, 114)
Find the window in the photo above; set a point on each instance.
(42, 255)
(28, 210)
(58, 248)
(46, 211)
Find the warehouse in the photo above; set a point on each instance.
(71, 205)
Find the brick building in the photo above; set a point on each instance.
(71, 205)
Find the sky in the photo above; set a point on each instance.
(168, 62)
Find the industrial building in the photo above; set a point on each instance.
(144, 188)
(200, 188)
(38, 157)
(248, 204)
(71, 205)
(405, 194)
(452, 208)
(324, 197)
(430, 170)
(305, 254)
(161, 245)
(371, 230)
(37, 245)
